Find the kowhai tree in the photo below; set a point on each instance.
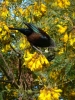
(26, 73)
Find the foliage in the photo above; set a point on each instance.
(25, 74)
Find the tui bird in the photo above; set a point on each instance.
(36, 36)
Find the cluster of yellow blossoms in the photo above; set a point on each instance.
(35, 61)
(61, 29)
(4, 11)
(38, 10)
(70, 38)
(50, 94)
(61, 3)
(4, 36)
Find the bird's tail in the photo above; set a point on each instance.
(32, 27)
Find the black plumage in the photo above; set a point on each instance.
(36, 36)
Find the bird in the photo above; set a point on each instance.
(36, 36)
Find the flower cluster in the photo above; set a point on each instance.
(65, 36)
(4, 11)
(35, 61)
(61, 29)
(72, 39)
(49, 94)
(4, 36)
(4, 31)
(38, 10)
(61, 3)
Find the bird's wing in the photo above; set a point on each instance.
(32, 27)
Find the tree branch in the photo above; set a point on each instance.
(9, 77)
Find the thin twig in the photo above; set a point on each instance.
(6, 64)
(37, 49)
(15, 50)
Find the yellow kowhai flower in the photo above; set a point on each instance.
(26, 12)
(65, 38)
(44, 95)
(6, 28)
(55, 96)
(35, 6)
(37, 13)
(49, 94)
(28, 54)
(20, 10)
(63, 3)
(57, 90)
(43, 8)
(45, 60)
(72, 42)
(38, 64)
(4, 13)
(72, 38)
(56, 93)
(61, 51)
(41, 60)
(61, 29)
(0, 29)
(39, 10)
(4, 33)
(22, 46)
(29, 64)
(35, 61)
(6, 2)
